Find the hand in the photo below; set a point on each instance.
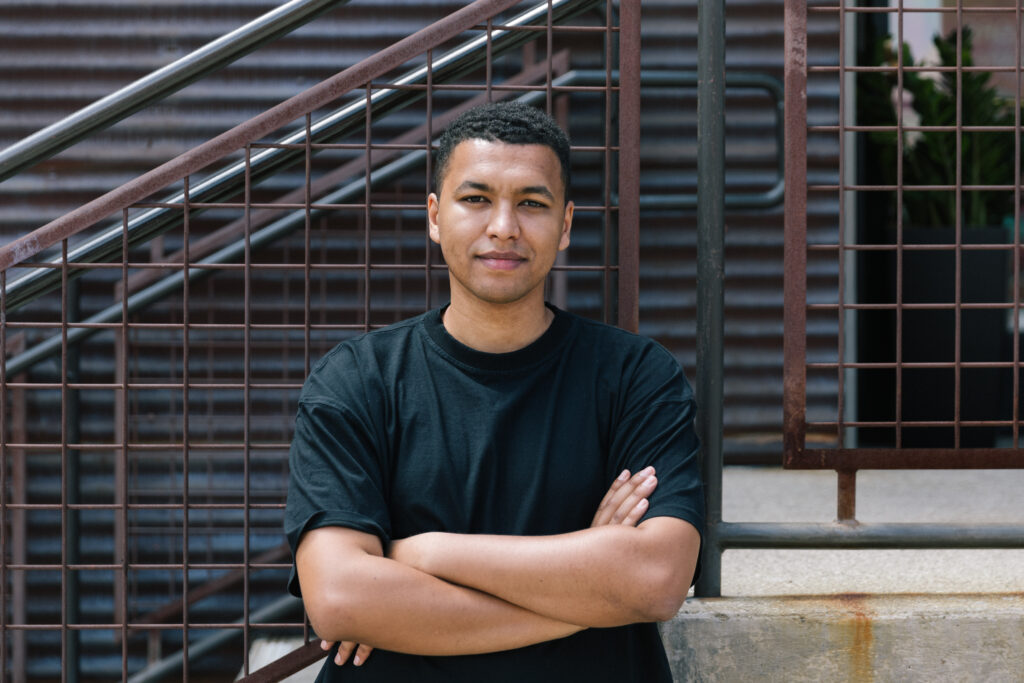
(626, 499)
(345, 649)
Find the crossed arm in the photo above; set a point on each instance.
(445, 594)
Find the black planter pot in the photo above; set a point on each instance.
(929, 394)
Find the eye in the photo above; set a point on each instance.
(474, 199)
(534, 204)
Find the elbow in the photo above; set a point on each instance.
(331, 616)
(667, 590)
(665, 607)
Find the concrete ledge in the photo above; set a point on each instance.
(852, 637)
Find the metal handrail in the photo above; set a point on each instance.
(236, 250)
(108, 244)
(348, 192)
(105, 112)
(171, 664)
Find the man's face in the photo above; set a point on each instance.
(500, 219)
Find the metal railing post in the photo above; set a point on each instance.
(73, 493)
(710, 275)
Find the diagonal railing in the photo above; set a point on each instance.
(146, 291)
(286, 152)
(163, 82)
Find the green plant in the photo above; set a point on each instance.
(930, 157)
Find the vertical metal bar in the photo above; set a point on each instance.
(846, 495)
(366, 214)
(72, 480)
(629, 165)
(710, 274)
(899, 226)
(17, 518)
(1016, 233)
(307, 289)
(246, 395)
(428, 244)
(958, 222)
(549, 42)
(185, 378)
(121, 474)
(849, 438)
(846, 506)
(559, 279)
(64, 635)
(606, 199)
(841, 250)
(307, 255)
(794, 367)
(489, 63)
(4, 458)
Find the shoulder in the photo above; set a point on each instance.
(360, 362)
(628, 362)
(618, 345)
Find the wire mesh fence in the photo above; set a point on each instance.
(156, 339)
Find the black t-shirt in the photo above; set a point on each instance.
(404, 430)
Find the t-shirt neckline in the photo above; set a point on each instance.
(513, 360)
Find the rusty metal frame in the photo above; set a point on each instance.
(846, 532)
(847, 460)
(137, 330)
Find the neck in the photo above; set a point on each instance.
(497, 328)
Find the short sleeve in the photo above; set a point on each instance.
(657, 428)
(335, 473)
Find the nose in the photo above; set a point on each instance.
(504, 224)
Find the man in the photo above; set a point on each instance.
(498, 490)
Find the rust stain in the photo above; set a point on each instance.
(860, 637)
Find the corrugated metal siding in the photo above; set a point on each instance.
(60, 56)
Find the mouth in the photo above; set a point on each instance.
(501, 260)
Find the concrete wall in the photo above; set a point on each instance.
(904, 638)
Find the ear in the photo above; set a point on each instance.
(563, 243)
(433, 206)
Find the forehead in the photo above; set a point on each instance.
(501, 163)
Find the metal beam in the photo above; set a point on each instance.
(868, 536)
(711, 277)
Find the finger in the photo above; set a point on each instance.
(620, 490)
(627, 507)
(613, 514)
(362, 652)
(636, 513)
(603, 513)
(345, 648)
(326, 645)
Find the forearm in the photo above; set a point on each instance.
(603, 576)
(377, 601)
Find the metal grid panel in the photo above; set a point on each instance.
(204, 402)
(927, 371)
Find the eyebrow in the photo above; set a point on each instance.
(484, 187)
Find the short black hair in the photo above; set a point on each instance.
(513, 123)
